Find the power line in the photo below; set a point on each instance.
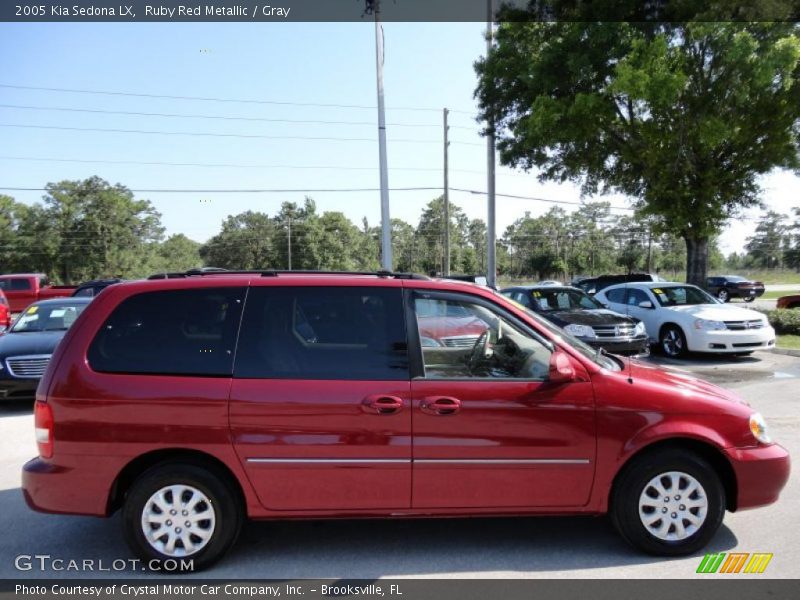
(215, 99)
(239, 191)
(218, 117)
(211, 134)
(516, 197)
(216, 165)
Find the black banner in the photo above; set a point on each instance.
(395, 10)
(399, 589)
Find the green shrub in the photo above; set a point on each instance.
(785, 321)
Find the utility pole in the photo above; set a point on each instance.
(491, 257)
(386, 222)
(446, 202)
(289, 241)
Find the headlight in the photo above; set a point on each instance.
(429, 342)
(709, 325)
(583, 331)
(758, 427)
(639, 329)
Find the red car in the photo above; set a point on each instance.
(792, 301)
(190, 404)
(5, 313)
(23, 289)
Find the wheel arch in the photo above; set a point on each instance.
(703, 448)
(139, 465)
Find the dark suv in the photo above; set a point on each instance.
(192, 403)
(584, 317)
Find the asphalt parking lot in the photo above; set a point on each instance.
(563, 547)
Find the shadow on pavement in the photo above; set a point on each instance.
(353, 549)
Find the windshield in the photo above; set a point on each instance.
(594, 355)
(554, 300)
(735, 278)
(47, 317)
(683, 295)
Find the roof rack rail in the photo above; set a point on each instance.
(276, 272)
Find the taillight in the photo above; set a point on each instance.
(43, 419)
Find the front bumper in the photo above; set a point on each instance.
(638, 346)
(18, 389)
(731, 340)
(761, 473)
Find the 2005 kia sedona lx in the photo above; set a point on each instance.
(191, 403)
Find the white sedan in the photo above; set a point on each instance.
(683, 318)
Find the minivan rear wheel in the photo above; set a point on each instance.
(182, 512)
(668, 503)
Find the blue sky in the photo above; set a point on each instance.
(428, 66)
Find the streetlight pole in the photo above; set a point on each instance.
(386, 221)
(491, 256)
(446, 202)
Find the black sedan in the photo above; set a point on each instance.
(584, 317)
(726, 287)
(26, 348)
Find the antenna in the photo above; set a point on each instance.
(628, 314)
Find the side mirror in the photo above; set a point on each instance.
(561, 369)
(646, 304)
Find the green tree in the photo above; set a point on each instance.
(12, 213)
(683, 116)
(87, 229)
(246, 241)
(767, 245)
(176, 253)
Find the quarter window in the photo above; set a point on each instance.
(617, 295)
(462, 339)
(323, 333)
(177, 332)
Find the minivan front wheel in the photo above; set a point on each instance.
(181, 512)
(669, 504)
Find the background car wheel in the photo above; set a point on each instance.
(723, 296)
(181, 511)
(672, 341)
(749, 298)
(668, 503)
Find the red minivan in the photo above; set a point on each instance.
(193, 403)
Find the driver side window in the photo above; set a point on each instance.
(461, 339)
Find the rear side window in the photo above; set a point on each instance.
(15, 285)
(176, 332)
(323, 333)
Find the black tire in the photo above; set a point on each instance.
(749, 298)
(672, 342)
(227, 509)
(624, 510)
(723, 295)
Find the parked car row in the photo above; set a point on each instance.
(192, 403)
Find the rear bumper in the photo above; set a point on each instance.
(761, 474)
(57, 488)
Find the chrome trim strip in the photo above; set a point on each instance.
(429, 461)
(504, 461)
(348, 461)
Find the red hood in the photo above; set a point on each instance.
(679, 379)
